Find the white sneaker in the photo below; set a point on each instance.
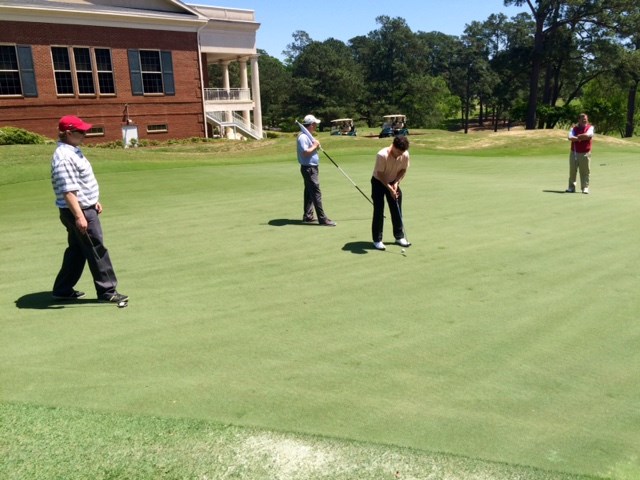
(585, 190)
(403, 242)
(379, 246)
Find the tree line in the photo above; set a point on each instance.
(539, 68)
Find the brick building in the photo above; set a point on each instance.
(133, 68)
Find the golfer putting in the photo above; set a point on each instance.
(391, 166)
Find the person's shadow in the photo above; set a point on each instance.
(358, 248)
(281, 222)
(44, 301)
(554, 191)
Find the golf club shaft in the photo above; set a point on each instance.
(310, 136)
(347, 176)
(404, 230)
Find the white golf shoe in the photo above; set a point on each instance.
(379, 246)
(403, 242)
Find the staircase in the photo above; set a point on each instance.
(235, 121)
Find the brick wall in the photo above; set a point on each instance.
(182, 112)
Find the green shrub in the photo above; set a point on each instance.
(112, 145)
(20, 136)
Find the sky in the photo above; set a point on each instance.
(346, 19)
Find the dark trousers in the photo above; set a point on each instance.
(312, 194)
(378, 193)
(79, 251)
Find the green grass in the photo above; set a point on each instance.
(504, 345)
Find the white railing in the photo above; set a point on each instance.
(227, 95)
(232, 119)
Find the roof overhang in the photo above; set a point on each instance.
(230, 33)
(186, 19)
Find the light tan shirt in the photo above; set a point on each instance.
(387, 167)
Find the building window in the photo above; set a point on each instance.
(151, 72)
(9, 72)
(17, 74)
(96, 131)
(106, 83)
(84, 71)
(87, 67)
(159, 128)
(62, 70)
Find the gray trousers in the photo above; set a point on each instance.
(79, 252)
(312, 194)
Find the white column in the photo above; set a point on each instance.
(225, 84)
(225, 75)
(255, 94)
(244, 84)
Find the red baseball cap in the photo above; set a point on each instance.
(71, 122)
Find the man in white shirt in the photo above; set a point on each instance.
(77, 198)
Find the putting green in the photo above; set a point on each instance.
(507, 333)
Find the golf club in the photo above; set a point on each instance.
(572, 187)
(308, 134)
(575, 157)
(404, 230)
(122, 304)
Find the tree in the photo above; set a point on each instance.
(509, 62)
(326, 80)
(275, 80)
(301, 40)
(550, 16)
(397, 71)
(481, 41)
(428, 102)
(629, 67)
(605, 101)
(629, 74)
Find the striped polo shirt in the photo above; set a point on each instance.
(72, 172)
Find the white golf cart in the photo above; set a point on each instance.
(343, 126)
(394, 125)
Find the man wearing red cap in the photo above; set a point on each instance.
(77, 194)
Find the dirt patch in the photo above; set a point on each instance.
(289, 458)
(479, 138)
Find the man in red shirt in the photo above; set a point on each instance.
(580, 137)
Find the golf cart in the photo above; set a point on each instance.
(393, 126)
(343, 126)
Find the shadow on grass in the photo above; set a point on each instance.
(358, 248)
(281, 222)
(362, 248)
(554, 191)
(44, 301)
